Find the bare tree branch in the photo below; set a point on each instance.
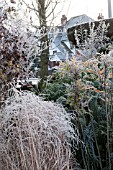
(52, 9)
(49, 2)
(34, 9)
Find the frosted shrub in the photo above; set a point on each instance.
(93, 39)
(35, 134)
(17, 46)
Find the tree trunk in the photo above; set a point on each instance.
(44, 55)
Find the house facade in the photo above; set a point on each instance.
(61, 47)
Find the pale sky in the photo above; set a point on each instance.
(72, 8)
(77, 7)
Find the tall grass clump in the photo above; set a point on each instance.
(35, 134)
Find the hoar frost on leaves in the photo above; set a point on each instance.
(35, 134)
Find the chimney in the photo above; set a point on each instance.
(63, 20)
(100, 17)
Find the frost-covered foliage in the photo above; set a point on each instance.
(91, 95)
(20, 41)
(93, 40)
(17, 45)
(35, 134)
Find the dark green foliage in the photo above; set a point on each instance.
(84, 91)
(56, 89)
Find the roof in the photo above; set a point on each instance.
(60, 47)
(73, 21)
(57, 42)
(55, 58)
(61, 56)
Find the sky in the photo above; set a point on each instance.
(77, 7)
(72, 8)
